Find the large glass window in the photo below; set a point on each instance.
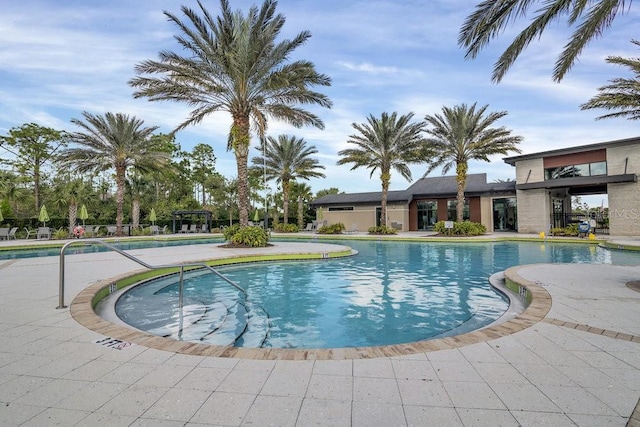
(505, 214)
(452, 211)
(427, 214)
(571, 171)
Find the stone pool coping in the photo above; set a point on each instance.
(82, 310)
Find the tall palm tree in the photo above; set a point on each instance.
(113, 141)
(623, 94)
(492, 17)
(382, 144)
(462, 134)
(286, 159)
(233, 63)
(302, 192)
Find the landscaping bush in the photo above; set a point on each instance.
(464, 228)
(382, 229)
(336, 228)
(285, 228)
(254, 237)
(230, 231)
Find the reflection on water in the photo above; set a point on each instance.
(391, 292)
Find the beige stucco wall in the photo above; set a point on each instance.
(624, 198)
(486, 212)
(364, 217)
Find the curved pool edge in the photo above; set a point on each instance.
(82, 310)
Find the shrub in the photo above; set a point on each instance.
(464, 228)
(285, 228)
(336, 228)
(230, 231)
(571, 230)
(254, 237)
(61, 233)
(382, 229)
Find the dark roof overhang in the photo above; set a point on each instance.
(582, 181)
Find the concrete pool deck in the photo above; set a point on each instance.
(580, 365)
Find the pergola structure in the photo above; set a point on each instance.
(179, 215)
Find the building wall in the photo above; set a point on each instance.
(534, 210)
(536, 166)
(486, 212)
(624, 198)
(364, 217)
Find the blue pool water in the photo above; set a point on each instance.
(391, 292)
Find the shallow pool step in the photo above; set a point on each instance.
(212, 319)
(257, 328)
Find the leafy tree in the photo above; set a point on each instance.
(623, 94)
(202, 167)
(234, 63)
(382, 144)
(33, 146)
(113, 141)
(492, 17)
(462, 134)
(286, 159)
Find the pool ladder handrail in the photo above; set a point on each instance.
(86, 242)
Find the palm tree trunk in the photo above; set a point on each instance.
(120, 184)
(285, 201)
(135, 213)
(73, 214)
(461, 180)
(300, 212)
(240, 140)
(385, 177)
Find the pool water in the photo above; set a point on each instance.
(390, 293)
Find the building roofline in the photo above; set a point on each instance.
(572, 150)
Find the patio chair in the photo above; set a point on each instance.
(309, 227)
(29, 232)
(193, 228)
(96, 231)
(4, 233)
(12, 233)
(111, 230)
(164, 230)
(43, 233)
(203, 229)
(184, 229)
(353, 229)
(154, 229)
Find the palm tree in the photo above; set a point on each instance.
(492, 17)
(302, 192)
(113, 141)
(385, 143)
(233, 63)
(286, 159)
(462, 134)
(623, 94)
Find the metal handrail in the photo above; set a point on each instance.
(138, 261)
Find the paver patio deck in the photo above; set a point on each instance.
(579, 366)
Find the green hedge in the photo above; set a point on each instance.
(464, 228)
(382, 229)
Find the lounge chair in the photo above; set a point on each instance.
(353, 229)
(164, 230)
(203, 229)
(4, 233)
(193, 228)
(43, 233)
(111, 230)
(96, 231)
(184, 229)
(154, 229)
(309, 227)
(12, 233)
(29, 232)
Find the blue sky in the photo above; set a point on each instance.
(58, 59)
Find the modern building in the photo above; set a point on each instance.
(539, 199)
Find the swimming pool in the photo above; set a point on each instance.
(390, 293)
